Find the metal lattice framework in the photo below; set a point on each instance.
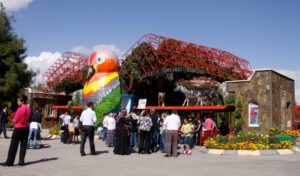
(156, 53)
(159, 53)
(68, 66)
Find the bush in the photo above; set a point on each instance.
(55, 130)
(249, 141)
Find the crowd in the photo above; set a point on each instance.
(144, 132)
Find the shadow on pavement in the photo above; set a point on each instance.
(39, 161)
(100, 152)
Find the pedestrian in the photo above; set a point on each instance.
(65, 126)
(88, 119)
(20, 133)
(154, 132)
(145, 124)
(3, 122)
(172, 123)
(37, 115)
(71, 129)
(110, 123)
(121, 145)
(76, 126)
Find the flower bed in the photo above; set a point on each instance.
(251, 141)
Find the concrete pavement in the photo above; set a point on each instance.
(64, 160)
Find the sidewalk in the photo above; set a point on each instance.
(65, 160)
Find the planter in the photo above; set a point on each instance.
(283, 137)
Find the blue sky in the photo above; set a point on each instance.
(264, 32)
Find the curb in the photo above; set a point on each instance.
(293, 150)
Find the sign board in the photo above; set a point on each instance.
(142, 103)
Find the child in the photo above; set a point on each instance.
(100, 132)
(187, 130)
(71, 131)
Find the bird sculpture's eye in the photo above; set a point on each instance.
(100, 60)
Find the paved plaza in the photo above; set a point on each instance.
(56, 159)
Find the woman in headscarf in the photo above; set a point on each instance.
(121, 145)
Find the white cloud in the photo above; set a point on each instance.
(294, 74)
(41, 63)
(81, 49)
(86, 50)
(15, 5)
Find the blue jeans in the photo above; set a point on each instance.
(133, 139)
(104, 134)
(163, 140)
(35, 133)
(154, 141)
(188, 140)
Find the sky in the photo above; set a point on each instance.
(264, 32)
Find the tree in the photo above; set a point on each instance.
(14, 76)
(68, 86)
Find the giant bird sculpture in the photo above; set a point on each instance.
(102, 86)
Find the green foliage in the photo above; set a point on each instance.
(108, 104)
(68, 86)
(55, 130)
(14, 75)
(237, 119)
(131, 71)
(77, 98)
(229, 99)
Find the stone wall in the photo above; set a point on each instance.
(271, 91)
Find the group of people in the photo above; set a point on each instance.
(150, 132)
(146, 131)
(69, 128)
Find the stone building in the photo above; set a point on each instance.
(267, 98)
(45, 101)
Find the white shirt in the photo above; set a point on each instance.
(35, 125)
(88, 117)
(172, 122)
(109, 123)
(104, 121)
(76, 122)
(65, 119)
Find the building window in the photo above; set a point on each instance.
(253, 119)
(49, 110)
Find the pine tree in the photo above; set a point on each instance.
(14, 76)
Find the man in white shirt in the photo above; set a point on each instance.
(172, 124)
(65, 118)
(88, 119)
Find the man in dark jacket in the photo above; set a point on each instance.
(37, 115)
(154, 130)
(3, 122)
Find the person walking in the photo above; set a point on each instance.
(20, 133)
(3, 122)
(172, 123)
(88, 119)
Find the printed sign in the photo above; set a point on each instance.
(142, 103)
